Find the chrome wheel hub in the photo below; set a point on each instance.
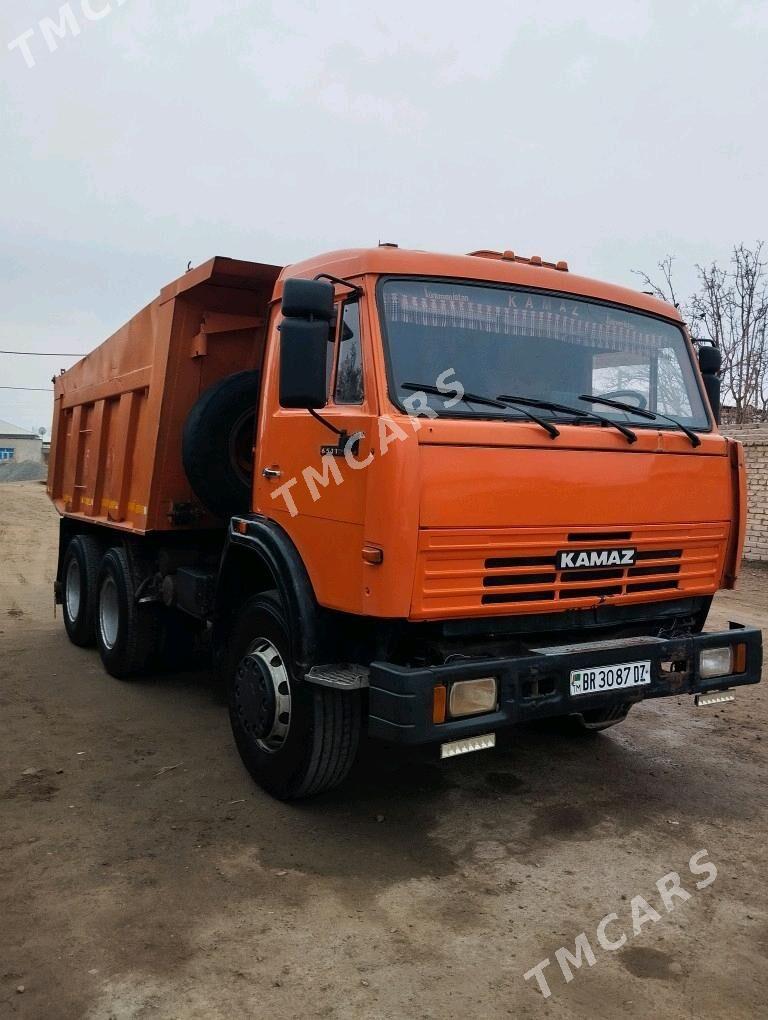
(73, 590)
(263, 695)
(109, 612)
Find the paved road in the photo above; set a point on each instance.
(142, 875)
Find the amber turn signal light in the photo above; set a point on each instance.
(740, 659)
(439, 701)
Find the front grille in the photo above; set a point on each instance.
(589, 581)
(464, 571)
(523, 596)
(645, 571)
(501, 580)
(599, 574)
(599, 536)
(653, 586)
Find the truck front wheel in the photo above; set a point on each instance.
(296, 739)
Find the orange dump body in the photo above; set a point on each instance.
(119, 413)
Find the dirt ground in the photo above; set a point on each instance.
(143, 875)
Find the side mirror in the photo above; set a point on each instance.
(710, 360)
(308, 299)
(710, 363)
(304, 336)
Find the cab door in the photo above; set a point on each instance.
(304, 481)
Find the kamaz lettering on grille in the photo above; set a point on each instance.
(574, 559)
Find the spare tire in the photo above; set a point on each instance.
(217, 444)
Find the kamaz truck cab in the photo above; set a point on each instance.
(482, 491)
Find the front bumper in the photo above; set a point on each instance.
(537, 685)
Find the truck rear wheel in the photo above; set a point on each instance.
(127, 632)
(79, 574)
(217, 445)
(296, 739)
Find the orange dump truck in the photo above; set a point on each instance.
(415, 496)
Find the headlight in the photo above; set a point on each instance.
(472, 697)
(716, 662)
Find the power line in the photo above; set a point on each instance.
(28, 389)
(43, 354)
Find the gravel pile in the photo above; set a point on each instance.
(23, 471)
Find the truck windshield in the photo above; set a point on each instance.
(550, 347)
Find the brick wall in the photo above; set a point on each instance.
(755, 440)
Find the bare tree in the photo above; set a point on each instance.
(730, 308)
(665, 290)
(732, 305)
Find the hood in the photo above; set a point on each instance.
(524, 530)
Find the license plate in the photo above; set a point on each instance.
(610, 678)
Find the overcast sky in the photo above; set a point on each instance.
(608, 134)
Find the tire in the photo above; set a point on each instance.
(127, 633)
(217, 444)
(79, 574)
(296, 739)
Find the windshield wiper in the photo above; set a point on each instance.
(642, 412)
(553, 431)
(583, 416)
(474, 398)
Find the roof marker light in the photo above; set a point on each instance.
(510, 256)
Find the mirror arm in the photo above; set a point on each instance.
(357, 291)
(324, 421)
(340, 449)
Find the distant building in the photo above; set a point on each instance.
(19, 444)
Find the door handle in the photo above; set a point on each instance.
(272, 473)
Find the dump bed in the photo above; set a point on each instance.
(119, 413)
